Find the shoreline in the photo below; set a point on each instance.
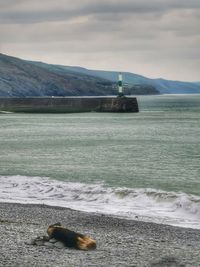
(140, 204)
(120, 242)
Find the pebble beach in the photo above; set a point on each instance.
(120, 242)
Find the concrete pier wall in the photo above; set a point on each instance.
(69, 104)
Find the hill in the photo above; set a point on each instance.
(162, 85)
(21, 78)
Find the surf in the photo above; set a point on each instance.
(143, 204)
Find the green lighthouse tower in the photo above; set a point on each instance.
(120, 85)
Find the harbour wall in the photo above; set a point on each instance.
(69, 104)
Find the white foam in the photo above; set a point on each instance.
(151, 205)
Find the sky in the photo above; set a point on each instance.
(154, 38)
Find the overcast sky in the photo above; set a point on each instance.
(154, 38)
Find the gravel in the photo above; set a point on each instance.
(119, 242)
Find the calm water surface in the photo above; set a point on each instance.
(157, 148)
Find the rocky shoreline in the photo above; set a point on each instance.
(119, 242)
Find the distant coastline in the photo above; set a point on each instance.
(21, 78)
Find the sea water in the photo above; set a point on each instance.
(143, 166)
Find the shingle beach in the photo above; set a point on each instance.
(119, 242)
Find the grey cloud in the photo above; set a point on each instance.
(47, 10)
(109, 34)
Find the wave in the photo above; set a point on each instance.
(145, 204)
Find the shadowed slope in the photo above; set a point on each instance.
(22, 78)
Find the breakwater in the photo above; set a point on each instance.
(69, 104)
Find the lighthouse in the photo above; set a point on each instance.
(120, 85)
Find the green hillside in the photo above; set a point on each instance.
(162, 85)
(29, 78)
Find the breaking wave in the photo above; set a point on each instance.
(173, 208)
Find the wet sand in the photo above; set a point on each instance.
(119, 242)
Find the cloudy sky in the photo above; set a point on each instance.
(155, 38)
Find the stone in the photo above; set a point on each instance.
(48, 244)
(39, 242)
(59, 245)
(52, 240)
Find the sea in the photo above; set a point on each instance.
(139, 166)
